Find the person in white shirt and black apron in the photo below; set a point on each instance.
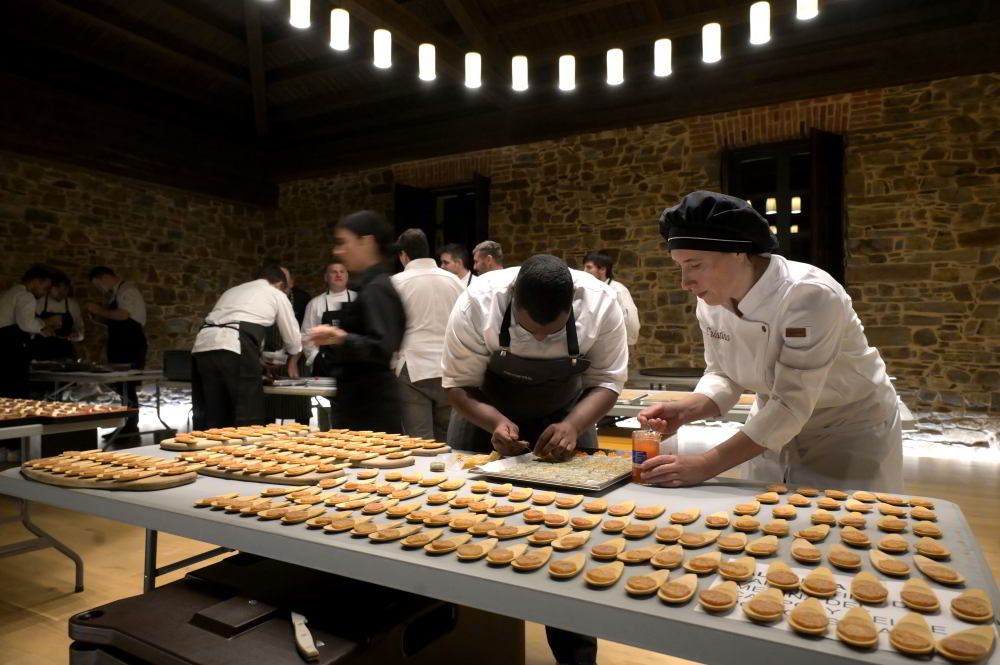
(58, 304)
(324, 310)
(825, 414)
(359, 350)
(534, 357)
(227, 386)
(125, 317)
(18, 323)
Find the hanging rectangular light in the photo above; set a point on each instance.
(662, 55)
(340, 30)
(711, 42)
(771, 206)
(299, 13)
(473, 70)
(519, 73)
(794, 228)
(760, 23)
(616, 66)
(567, 72)
(383, 49)
(425, 61)
(796, 205)
(774, 229)
(806, 9)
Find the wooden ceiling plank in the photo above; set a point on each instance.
(68, 31)
(255, 58)
(130, 21)
(536, 17)
(470, 18)
(409, 31)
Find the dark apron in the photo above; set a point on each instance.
(56, 347)
(15, 362)
(126, 340)
(367, 394)
(248, 397)
(533, 393)
(322, 365)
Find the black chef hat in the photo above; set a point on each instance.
(713, 222)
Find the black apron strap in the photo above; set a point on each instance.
(572, 344)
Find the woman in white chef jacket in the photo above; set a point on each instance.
(826, 414)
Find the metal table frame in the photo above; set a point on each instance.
(31, 437)
(67, 380)
(682, 632)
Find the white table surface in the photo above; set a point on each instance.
(610, 613)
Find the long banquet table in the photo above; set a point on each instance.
(685, 631)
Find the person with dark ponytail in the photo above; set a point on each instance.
(359, 350)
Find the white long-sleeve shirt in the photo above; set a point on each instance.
(629, 309)
(70, 305)
(128, 297)
(253, 302)
(325, 302)
(17, 306)
(428, 294)
(474, 332)
(799, 345)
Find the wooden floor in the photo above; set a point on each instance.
(36, 596)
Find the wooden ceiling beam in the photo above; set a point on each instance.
(566, 9)
(409, 31)
(470, 18)
(255, 60)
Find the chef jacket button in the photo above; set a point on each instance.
(763, 328)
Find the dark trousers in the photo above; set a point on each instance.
(136, 357)
(571, 648)
(221, 397)
(368, 400)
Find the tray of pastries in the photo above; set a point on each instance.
(30, 411)
(592, 472)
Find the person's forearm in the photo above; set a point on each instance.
(697, 407)
(735, 450)
(594, 406)
(477, 412)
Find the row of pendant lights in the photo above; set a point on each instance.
(711, 39)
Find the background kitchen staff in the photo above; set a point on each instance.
(362, 346)
(601, 266)
(227, 388)
(18, 322)
(826, 414)
(428, 294)
(124, 313)
(58, 303)
(323, 308)
(455, 259)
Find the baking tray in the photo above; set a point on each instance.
(498, 469)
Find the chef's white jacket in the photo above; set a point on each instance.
(322, 303)
(17, 306)
(428, 294)
(801, 348)
(632, 324)
(468, 280)
(128, 298)
(58, 307)
(474, 332)
(253, 302)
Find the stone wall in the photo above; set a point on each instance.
(181, 249)
(922, 204)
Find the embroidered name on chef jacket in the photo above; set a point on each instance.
(718, 334)
(796, 332)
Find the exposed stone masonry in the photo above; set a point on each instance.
(923, 205)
